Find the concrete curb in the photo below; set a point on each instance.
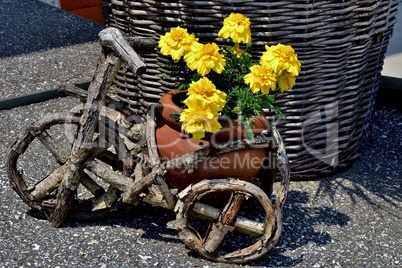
(36, 97)
(390, 93)
(389, 82)
(9, 103)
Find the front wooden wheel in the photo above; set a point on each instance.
(227, 220)
(49, 141)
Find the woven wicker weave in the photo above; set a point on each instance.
(341, 45)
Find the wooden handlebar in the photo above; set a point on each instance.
(113, 39)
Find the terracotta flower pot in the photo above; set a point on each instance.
(172, 143)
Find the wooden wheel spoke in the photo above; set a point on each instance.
(48, 184)
(53, 147)
(217, 231)
(218, 244)
(229, 213)
(242, 224)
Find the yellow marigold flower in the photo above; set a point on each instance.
(237, 27)
(176, 43)
(198, 119)
(261, 78)
(286, 81)
(238, 51)
(205, 58)
(281, 57)
(204, 90)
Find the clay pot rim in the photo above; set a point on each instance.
(168, 105)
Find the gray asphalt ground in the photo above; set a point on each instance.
(349, 219)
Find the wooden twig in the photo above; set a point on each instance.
(48, 184)
(225, 224)
(154, 159)
(140, 184)
(242, 224)
(64, 201)
(106, 173)
(112, 39)
(91, 185)
(82, 94)
(104, 75)
(188, 161)
(142, 44)
(107, 199)
(53, 147)
(282, 165)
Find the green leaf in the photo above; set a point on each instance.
(175, 116)
(279, 112)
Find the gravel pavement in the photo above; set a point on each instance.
(42, 47)
(350, 219)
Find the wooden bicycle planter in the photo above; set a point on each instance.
(114, 159)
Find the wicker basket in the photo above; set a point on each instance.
(341, 45)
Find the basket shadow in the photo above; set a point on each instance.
(298, 229)
(374, 178)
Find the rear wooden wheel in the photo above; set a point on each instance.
(244, 226)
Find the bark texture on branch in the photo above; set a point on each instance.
(225, 220)
(112, 39)
(110, 149)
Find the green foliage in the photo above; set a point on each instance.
(241, 102)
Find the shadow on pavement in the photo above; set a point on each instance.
(376, 177)
(26, 32)
(298, 227)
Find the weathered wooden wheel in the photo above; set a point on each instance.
(49, 142)
(243, 228)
